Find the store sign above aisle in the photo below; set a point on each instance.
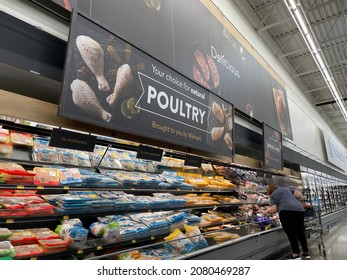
(149, 153)
(273, 156)
(110, 83)
(202, 44)
(194, 161)
(336, 152)
(72, 140)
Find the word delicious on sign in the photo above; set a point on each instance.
(162, 100)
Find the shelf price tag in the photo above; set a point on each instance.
(9, 221)
(80, 251)
(66, 217)
(33, 259)
(99, 248)
(66, 188)
(133, 241)
(20, 187)
(152, 237)
(40, 187)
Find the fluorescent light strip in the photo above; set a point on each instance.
(306, 31)
(292, 4)
(320, 61)
(301, 21)
(326, 74)
(311, 43)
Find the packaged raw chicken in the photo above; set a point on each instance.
(6, 249)
(56, 242)
(46, 176)
(22, 238)
(54, 245)
(4, 135)
(97, 229)
(29, 250)
(21, 138)
(5, 148)
(6, 166)
(111, 232)
(44, 233)
(70, 176)
(5, 233)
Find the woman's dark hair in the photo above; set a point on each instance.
(270, 189)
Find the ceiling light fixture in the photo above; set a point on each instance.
(304, 26)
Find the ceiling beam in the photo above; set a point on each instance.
(307, 53)
(263, 6)
(325, 87)
(296, 30)
(328, 102)
(267, 27)
(314, 71)
(318, 6)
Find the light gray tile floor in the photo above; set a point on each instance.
(335, 243)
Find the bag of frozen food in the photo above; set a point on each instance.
(111, 232)
(179, 242)
(77, 236)
(97, 229)
(66, 225)
(195, 236)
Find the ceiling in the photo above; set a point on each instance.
(328, 18)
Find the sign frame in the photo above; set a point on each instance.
(272, 147)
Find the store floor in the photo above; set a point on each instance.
(335, 242)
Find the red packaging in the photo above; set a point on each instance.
(54, 243)
(28, 250)
(44, 234)
(25, 237)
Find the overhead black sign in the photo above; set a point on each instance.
(201, 45)
(191, 160)
(72, 140)
(149, 153)
(273, 156)
(110, 83)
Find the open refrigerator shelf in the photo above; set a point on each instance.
(95, 245)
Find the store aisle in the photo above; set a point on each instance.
(335, 242)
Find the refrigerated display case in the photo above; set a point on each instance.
(326, 192)
(111, 181)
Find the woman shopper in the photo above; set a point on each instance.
(291, 212)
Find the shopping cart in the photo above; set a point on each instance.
(313, 227)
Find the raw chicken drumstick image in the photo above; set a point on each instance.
(85, 99)
(93, 56)
(123, 81)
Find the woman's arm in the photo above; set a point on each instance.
(298, 195)
(271, 210)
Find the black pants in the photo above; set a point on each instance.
(293, 225)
